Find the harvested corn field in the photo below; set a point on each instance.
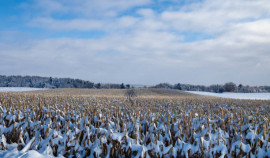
(155, 123)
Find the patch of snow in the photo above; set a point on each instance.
(257, 96)
(34, 154)
(13, 152)
(118, 136)
(19, 89)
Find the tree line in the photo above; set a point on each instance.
(50, 82)
(217, 88)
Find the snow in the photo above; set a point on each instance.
(19, 89)
(258, 96)
(29, 154)
(117, 136)
(175, 131)
(34, 154)
(26, 148)
(13, 152)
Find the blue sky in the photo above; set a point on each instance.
(139, 42)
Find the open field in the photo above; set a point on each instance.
(258, 96)
(18, 89)
(141, 92)
(156, 123)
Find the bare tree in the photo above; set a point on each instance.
(130, 93)
(230, 87)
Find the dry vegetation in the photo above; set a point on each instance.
(158, 123)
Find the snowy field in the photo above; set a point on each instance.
(259, 96)
(13, 152)
(19, 89)
(155, 126)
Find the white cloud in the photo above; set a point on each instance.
(147, 57)
(87, 8)
(256, 31)
(149, 46)
(75, 24)
(146, 12)
(214, 16)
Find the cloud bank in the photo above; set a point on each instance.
(142, 42)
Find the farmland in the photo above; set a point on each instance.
(155, 123)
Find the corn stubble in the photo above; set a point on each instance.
(151, 126)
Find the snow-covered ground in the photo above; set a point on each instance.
(19, 89)
(67, 126)
(261, 96)
(13, 152)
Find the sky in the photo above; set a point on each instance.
(138, 41)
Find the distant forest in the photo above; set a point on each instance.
(217, 88)
(50, 82)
